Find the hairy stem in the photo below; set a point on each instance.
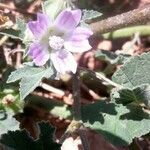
(134, 17)
(76, 96)
(84, 139)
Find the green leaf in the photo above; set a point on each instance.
(137, 95)
(134, 72)
(20, 140)
(111, 57)
(7, 121)
(117, 123)
(55, 108)
(15, 34)
(21, 26)
(54, 7)
(90, 14)
(18, 32)
(30, 78)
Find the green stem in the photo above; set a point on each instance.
(143, 30)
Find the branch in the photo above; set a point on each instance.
(134, 17)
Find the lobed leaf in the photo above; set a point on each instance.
(30, 78)
(134, 72)
(20, 140)
(7, 121)
(140, 94)
(117, 123)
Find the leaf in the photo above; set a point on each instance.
(7, 122)
(55, 108)
(134, 72)
(90, 14)
(15, 34)
(111, 57)
(20, 140)
(54, 7)
(117, 123)
(30, 78)
(138, 95)
(21, 26)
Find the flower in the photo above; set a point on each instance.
(56, 40)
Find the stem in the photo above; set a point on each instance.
(76, 96)
(64, 137)
(100, 76)
(134, 17)
(143, 30)
(84, 139)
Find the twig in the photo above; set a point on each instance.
(76, 96)
(100, 76)
(134, 17)
(3, 39)
(91, 92)
(52, 89)
(3, 6)
(18, 56)
(34, 5)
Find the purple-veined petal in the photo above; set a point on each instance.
(68, 19)
(77, 15)
(39, 54)
(40, 25)
(80, 34)
(63, 61)
(77, 46)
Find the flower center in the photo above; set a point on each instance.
(56, 42)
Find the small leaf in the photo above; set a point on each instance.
(55, 108)
(54, 7)
(7, 122)
(21, 26)
(117, 123)
(111, 57)
(138, 95)
(30, 78)
(134, 72)
(15, 34)
(90, 14)
(20, 140)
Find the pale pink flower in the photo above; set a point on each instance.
(56, 40)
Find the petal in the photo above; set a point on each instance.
(39, 54)
(63, 61)
(80, 33)
(68, 19)
(39, 26)
(77, 15)
(77, 46)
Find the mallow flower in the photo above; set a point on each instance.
(56, 40)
